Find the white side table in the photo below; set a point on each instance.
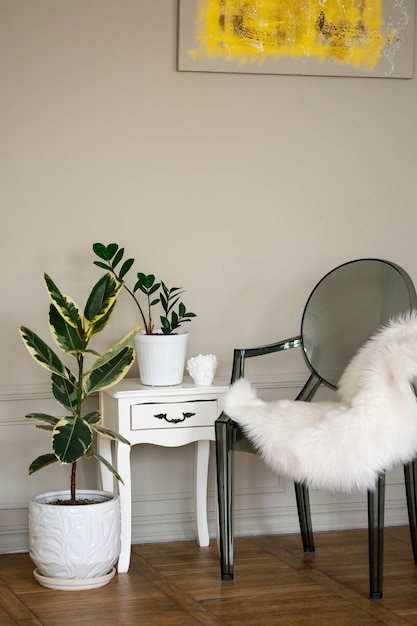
(164, 416)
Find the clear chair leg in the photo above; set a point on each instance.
(225, 437)
(304, 516)
(410, 476)
(376, 505)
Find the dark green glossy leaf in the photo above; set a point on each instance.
(126, 267)
(154, 288)
(172, 304)
(105, 252)
(118, 257)
(104, 266)
(145, 281)
(165, 325)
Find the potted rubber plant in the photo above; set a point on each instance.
(74, 535)
(161, 349)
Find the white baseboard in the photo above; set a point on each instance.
(267, 521)
(169, 526)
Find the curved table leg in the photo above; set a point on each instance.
(202, 454)
(125, 493)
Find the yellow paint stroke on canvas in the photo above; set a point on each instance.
(349, 31)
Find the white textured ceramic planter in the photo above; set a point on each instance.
(74, 543)
(161, 358)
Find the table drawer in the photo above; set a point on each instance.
(173, 414)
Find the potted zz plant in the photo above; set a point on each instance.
(74, 536)
(161, 351)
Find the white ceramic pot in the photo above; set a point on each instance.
(74, 542)
(161, 358)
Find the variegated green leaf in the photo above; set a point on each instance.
(118, 347)
(110, 373)
(71, 438)
(66, 336)
(106, 432)
(109, 466)
(42, 353)
(42, 461)
(69, 309)
(93, 418)
(102, 297)
(65, 391)
(43, 417)
(100, 322)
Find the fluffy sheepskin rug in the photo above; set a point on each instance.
(342, 445)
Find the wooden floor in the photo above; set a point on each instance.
(275, 583)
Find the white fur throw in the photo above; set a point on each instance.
(342, 445)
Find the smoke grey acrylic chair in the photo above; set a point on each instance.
(347, 306)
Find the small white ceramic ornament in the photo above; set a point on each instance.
(202, 368)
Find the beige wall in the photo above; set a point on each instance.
(243, 189)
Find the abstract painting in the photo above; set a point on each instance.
(372, 38)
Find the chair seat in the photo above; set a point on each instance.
(345, 445)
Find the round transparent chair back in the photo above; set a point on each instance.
(346, 307)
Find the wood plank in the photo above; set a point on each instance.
(13, 610)
(178, 584)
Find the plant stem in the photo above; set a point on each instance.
(137, 304)
(131, 293)
(73, 491)
(80, 359)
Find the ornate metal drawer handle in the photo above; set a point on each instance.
(175, 420)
